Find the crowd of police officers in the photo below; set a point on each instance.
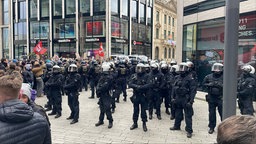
(153, 83)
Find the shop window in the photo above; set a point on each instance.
(85, 6)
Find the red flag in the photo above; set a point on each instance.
(38, 49)
(101, 52)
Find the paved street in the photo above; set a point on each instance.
(158, 130)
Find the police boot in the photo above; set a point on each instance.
(69, 118)
(52, 113)
(124, 99)
(150, 116)
(189, 135)
(99, 123)
(92, 97)
(113, 111)
(167, 111)
(159, 117)
(110, 125)
(211, 131)
(134, 126)
(57, 115)
(117, 100)
(74, 121)
(144, 127)
(172, 117)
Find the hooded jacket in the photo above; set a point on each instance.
(19, 124)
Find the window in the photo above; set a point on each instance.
(157, 53)
(22, 10)
(169, 34)
(57, 7)
(169, 53)
(114, 7)
(134, 11)
(45, 8)
(39, 30)
(142, 13)
(169, 20)
(157, 16)
(165, 53)
(20, 31)
(157, 33)
(149, 15)
(70, 7)
(173, 53)
(99, 6)
(165, 19)
(85, 6)
(173, 21)
(172, 35)
(125, 7)
(5, 12)
(5, 43)
(164, 34)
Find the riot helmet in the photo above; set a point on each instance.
(164, 68)
(72, 68)
(217, 68)
(253, 70)
(173, 62)
(28, 67)
(190, 65)
(174, 69)
(56, 69)
(154, 67)
(106, 67)
(183, 68)
(49, 66)
(147, 68)
(140, 68)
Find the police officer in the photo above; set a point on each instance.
(139, 85)
(213, 84)
(155, 78)
(46, 76)
(183, 94)
(103, 92)
(165, 86)
(55, 84)
(83, 71)
(72, 87)
(94, 74)
(174, 70)
(246, 84)
(122, 72)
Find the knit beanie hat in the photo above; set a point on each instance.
(26, 90)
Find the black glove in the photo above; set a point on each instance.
(189, 104)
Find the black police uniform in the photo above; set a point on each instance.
(121, 81)
(213, 84)
(139, 85)
(103, 92)
(246, 84)
(55, 85)
(155, 78)
(94, 74)
(46, 76)
(83, 71)
(184, 91)
(72, 87)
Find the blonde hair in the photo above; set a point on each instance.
(10, 85)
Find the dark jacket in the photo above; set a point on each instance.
(20, 125)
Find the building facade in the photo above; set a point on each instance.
(165, 32)
(68, 27)
(202, 39)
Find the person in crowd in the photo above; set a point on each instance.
(83, 71)
(38, 73)
(213, 85)
(55, 85)
(103, 92)
(12, 67)
(183, 94)
(4, 64)
(140, 86)
(246, 84)
(47, 75)
(122, 74)
(237, 130)
(155, 78)
(18, 122)
(72, 86)
(27, 74)
(25, 96)
(94, 74)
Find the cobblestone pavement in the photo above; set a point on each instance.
(158, 130)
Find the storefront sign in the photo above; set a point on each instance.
(92, 39)
(137, 43)
(64, 40)
(115, 40)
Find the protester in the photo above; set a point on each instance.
(18, 122)
(237, 130)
